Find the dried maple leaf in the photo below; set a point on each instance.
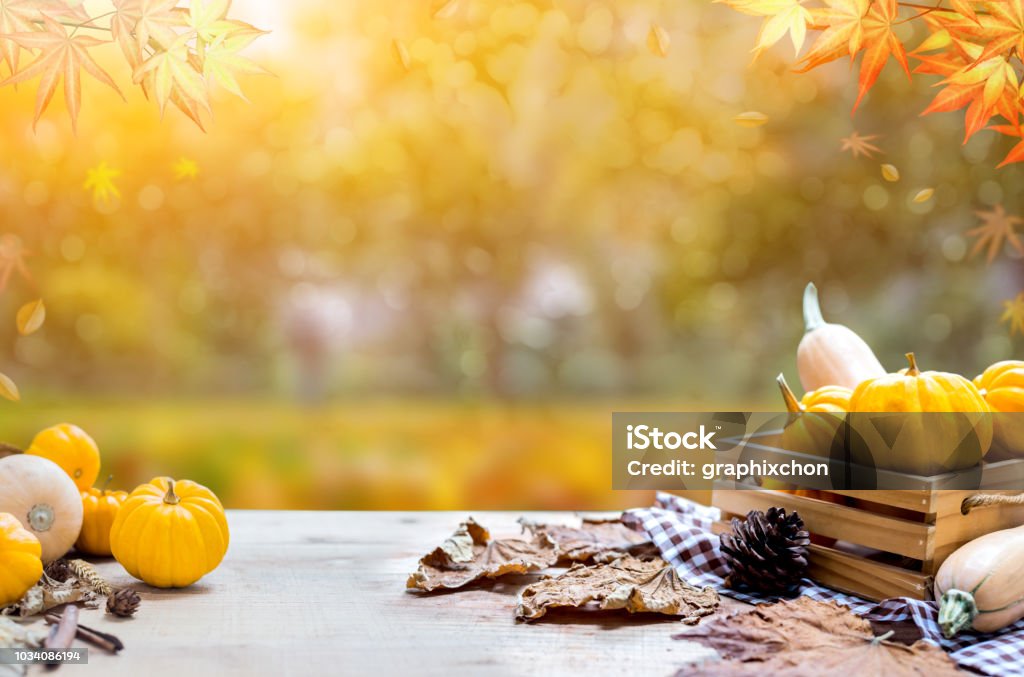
(61, 55)
(860, 145)
(996, 227)
(594, 540)
(627, 583)
(807, 637)
(470, 554)
(1013, 312)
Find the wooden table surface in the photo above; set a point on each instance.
(323, 593)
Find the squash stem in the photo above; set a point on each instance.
(913, 370)
(882, 638)
(103, 491)
(170, 497)
(956, 611)
(812, 309)
(793, 405)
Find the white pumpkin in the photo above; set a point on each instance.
(44, 499)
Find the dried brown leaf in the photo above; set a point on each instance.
(446, 10)
(924, 195)
(401, 54)
(30, 317)
(890, 173)
(469, 554)
(9, 389)
(751, 118)
(658, 41)
(594, 540)
(628, 583)
(807, 637)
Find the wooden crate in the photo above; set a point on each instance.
(888, 542)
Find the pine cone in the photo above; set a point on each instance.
(767, 552)
(58, 570)
(124, 603)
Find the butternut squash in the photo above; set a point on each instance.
(831, 354)
(979, 585)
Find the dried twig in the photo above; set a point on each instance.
(102, 640)
(63, 633)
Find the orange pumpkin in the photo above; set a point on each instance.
(1002, 386)
(72, 449)
(815, 419)
(956, 433)
(99, 511)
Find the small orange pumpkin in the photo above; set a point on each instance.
(72, 449)
(955, 436)
(1002, 386)
(99, 511)
(170, 533)
(21, 563)
(814, 419)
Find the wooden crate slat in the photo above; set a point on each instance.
(866, 578)
(918, 500)
(880, 532)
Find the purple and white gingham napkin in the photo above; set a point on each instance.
(682, 531)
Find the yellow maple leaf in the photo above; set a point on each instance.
(222, 62)
(174, 73)
(1014, 314)
(185, 168)
(100, 182)
(781, 17)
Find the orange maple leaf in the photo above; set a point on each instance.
(986, 87)
(853, 26)
(997, 227)
(879, 44)
(1016, 153)
(842, 31)
(60, 56)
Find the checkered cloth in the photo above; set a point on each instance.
(682, 531)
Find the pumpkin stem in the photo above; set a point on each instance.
(956, 611)
(170, 497)
(103, 491)
(812, 309)
(913, 370)
(793, 405)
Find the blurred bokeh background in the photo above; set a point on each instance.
(426, 282)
